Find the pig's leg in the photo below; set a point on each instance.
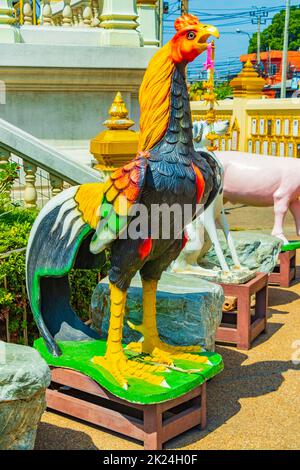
(210, 227)
(295, 210)
(225, 227)
(281, 206)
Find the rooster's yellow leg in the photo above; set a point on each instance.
(115, 360)
(152, 344)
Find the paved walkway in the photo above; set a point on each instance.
(253, 404)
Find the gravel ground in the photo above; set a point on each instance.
(253, 404)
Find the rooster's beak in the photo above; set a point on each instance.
(208, 30)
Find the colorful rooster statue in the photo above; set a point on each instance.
(75, 227)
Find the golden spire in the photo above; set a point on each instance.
(248, 84)
(118, 115)
(117, 145)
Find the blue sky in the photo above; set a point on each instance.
(222, 14)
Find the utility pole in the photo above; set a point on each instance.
(184, 6)
(259, 17)
(285, 48)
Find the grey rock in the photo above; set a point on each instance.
(257, 251)
(189, 310)
(24, 376)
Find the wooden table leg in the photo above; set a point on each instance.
(153, 427)
(284, 269)
(203, 406)
(293, 266)
(261, 305)
(243, 320)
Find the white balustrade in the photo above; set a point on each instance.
(129, 23)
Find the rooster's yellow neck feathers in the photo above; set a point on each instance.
(155, 98)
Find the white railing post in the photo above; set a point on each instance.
(27, 13)
(4, 159)
(4, 156)
(96, 13)
(56, 185)
(118, 20)
(47, 13)
(67, 14)
(8, 32)
(87, 14)
(75, 17)
(30, 194)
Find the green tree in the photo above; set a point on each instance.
(272, 36)
(223, 91)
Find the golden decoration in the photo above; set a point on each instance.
(117, 145)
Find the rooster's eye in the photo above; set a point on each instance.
(191, 35)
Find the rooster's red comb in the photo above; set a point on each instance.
(185, 21)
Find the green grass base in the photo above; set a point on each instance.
(78, 356)
(291, 245)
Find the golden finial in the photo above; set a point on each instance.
(247, 84)
(118, 115)
(117, 145)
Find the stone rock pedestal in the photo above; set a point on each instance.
(189, 310)
(24, 376)
(256, 251)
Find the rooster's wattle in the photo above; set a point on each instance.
(75, 227)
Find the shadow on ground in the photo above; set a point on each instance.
(278, 297)
(51, 437)
(237, 381)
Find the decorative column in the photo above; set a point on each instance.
(149, 21)
(8, 32)
(118, 20)
(30, 194)
(116, 146)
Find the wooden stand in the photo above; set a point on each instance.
(285, 272)
(77, 395)
(241, 327)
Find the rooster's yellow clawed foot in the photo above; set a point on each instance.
(163, 353)
(115, 361)
(122, 369)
